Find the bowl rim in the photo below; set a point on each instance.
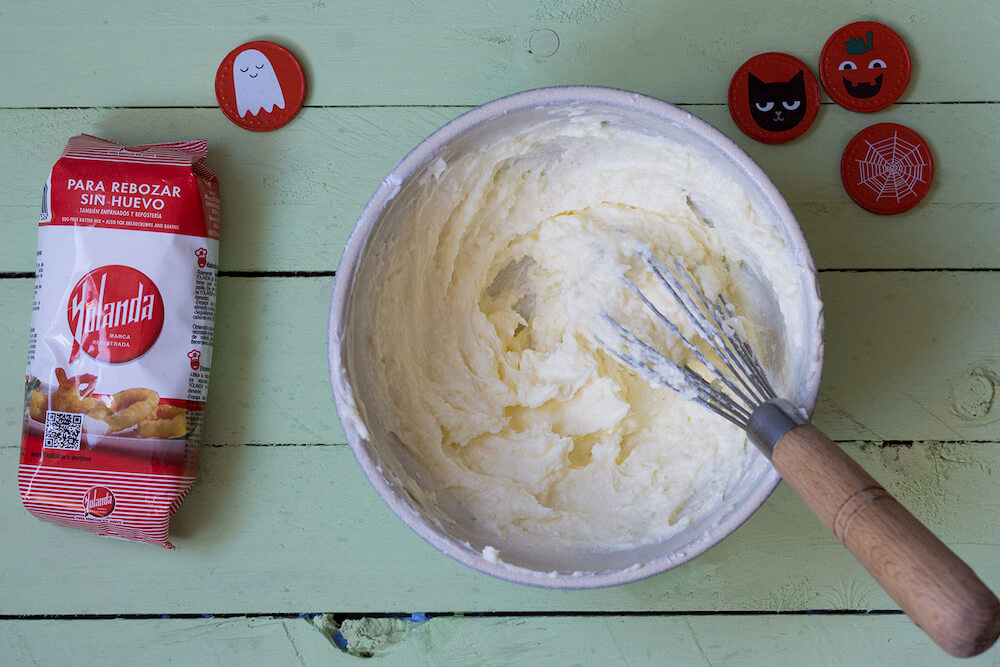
(352, 422)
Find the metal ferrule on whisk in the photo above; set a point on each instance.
(771, 421)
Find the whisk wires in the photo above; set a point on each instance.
(733, 392)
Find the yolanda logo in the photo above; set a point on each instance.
(115, 314)
(99, 502)
(202, 255)
(195, 357)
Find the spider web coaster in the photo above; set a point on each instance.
(892, 168)
(887, 168)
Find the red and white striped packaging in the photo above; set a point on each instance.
(121, 336)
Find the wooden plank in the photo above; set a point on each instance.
(311, 179)
(391, 53)
(298, 529)
(790, 641)
(934, 235)
(910, 356)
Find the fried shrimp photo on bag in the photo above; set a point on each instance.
(69, 396)
(120, 411)
(168, 422)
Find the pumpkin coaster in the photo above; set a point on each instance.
(865, 66)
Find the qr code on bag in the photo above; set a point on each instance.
(62, 430)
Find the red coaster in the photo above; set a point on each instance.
(260, 86)
(773, 97)
(865, 66)
(887, 168)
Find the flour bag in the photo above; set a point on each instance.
(121, 336)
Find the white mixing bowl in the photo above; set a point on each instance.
(391, 467)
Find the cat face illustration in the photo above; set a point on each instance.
(777, 106)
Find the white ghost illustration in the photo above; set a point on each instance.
(256, 83)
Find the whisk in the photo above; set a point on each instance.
(935, 588)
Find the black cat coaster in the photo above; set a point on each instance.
(773, 97)
(887, 168)
(865, 66)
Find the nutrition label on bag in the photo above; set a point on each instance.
(197, 385)
(202, 334)
(204, 295)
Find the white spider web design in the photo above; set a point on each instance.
(892, 167)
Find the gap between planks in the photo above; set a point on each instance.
(342, 616)
(878, 443)
(424, 106)
(22, 275)
(847, 441)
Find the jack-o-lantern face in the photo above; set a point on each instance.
(865, 66)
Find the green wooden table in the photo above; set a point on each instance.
(283, 549)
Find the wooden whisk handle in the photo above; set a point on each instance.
(935, 588)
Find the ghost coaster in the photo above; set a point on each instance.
(887, 168)
(773, 97)
(865, 66)
(260, 86)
